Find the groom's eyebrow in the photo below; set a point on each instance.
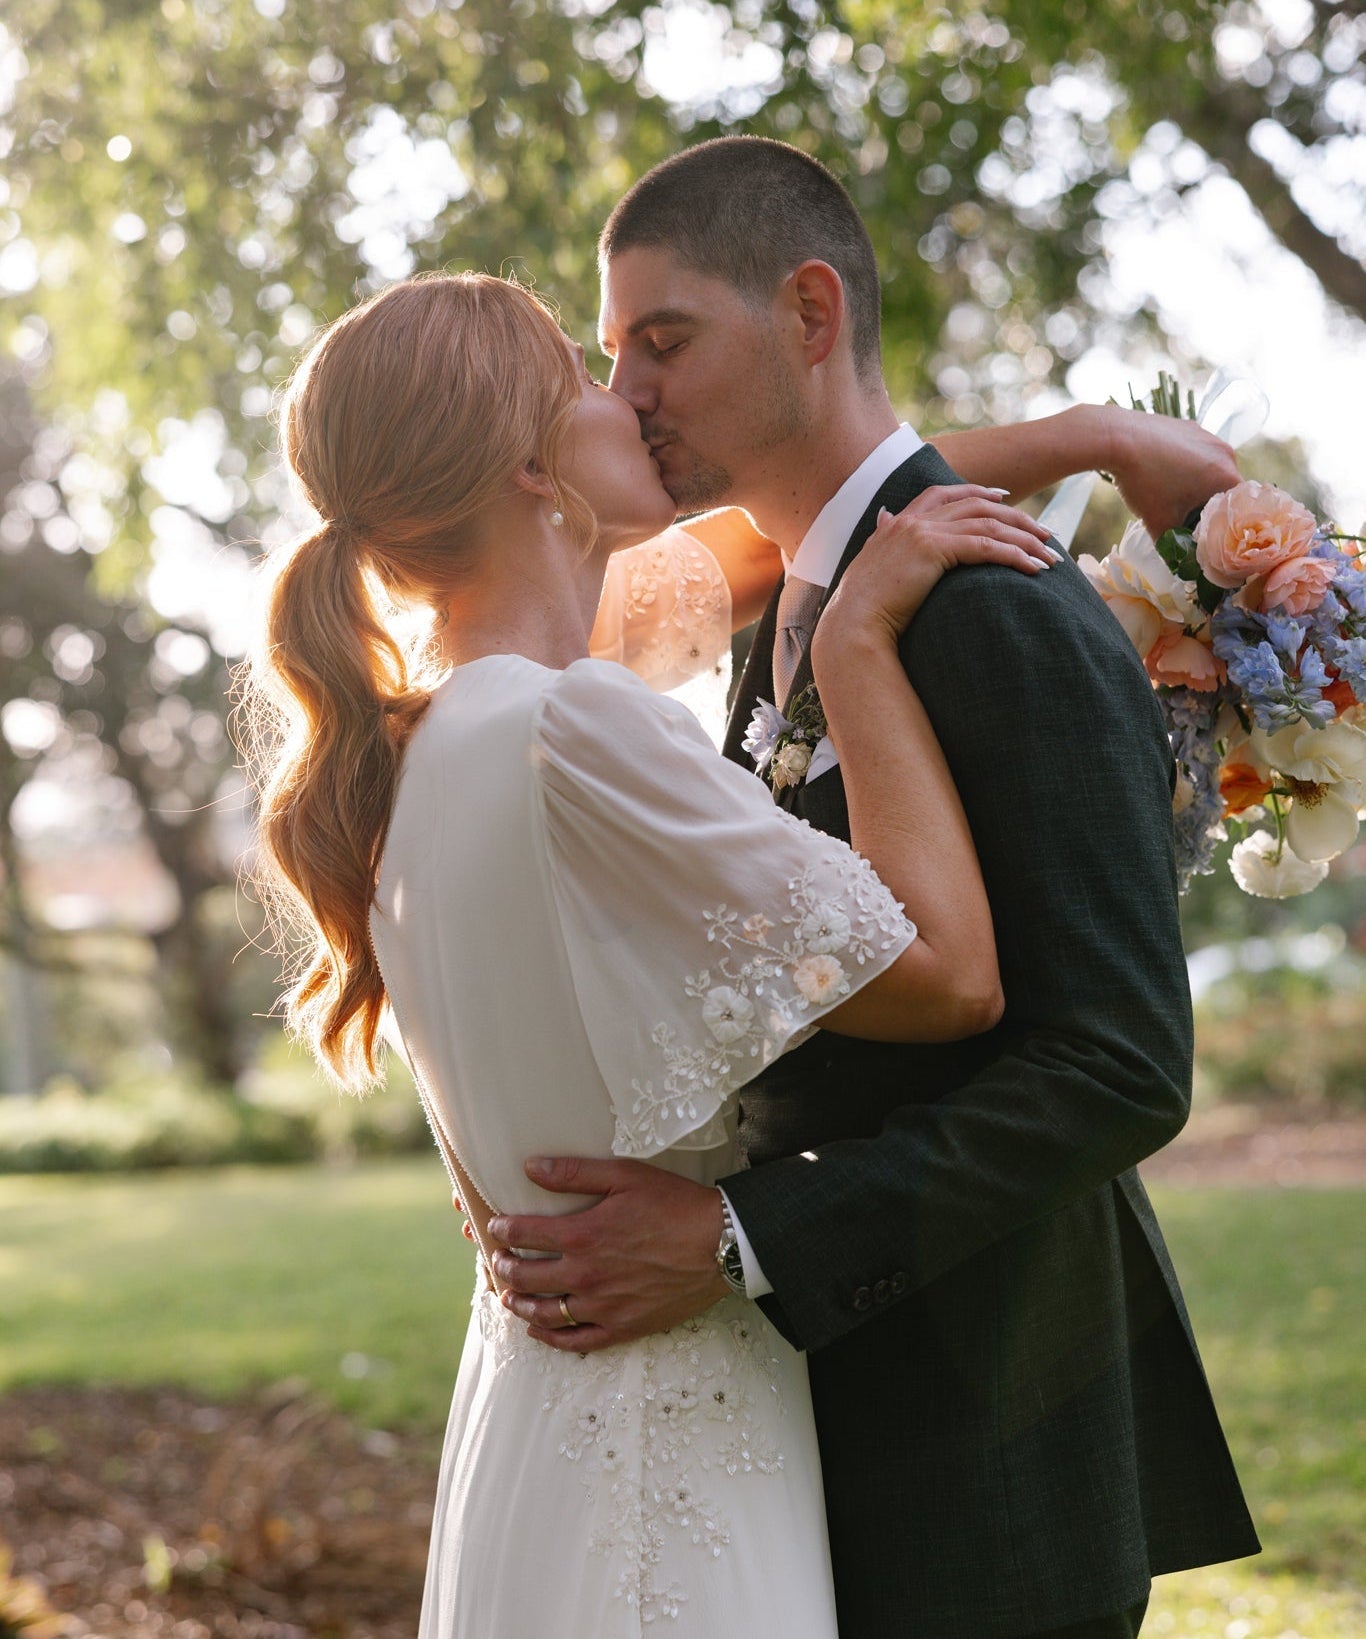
(655, 319)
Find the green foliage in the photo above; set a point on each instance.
(204, 183)
(1285, 1037)
(140, 1121)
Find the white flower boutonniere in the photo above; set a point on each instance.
(786, 750)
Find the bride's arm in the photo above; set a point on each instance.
(1163, 467)
(747, 562)
(750, 561)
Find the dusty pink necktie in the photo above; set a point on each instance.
(797, 605)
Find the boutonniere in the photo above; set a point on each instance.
(784, 748)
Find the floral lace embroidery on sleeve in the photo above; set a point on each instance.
(677, 611)
(764, 993)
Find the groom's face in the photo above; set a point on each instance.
(706, 372)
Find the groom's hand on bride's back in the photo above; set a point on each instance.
(639, 1261)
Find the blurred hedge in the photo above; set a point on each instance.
(145, 1119)
(1285, 1037)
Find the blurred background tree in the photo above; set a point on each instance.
(190, 187)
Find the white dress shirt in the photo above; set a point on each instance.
(816, 560)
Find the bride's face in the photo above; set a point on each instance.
(608, 462)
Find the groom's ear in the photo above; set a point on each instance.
(813, 293)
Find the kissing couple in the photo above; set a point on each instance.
(795, 1117)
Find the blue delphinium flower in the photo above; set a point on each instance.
(1350, 585)
(1286, 633)
(1191, 717)
(1281, 679)
(1347, 657)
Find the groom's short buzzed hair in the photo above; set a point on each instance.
(749, 210)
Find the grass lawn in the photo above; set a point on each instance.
(1275, 1281)
(355, 1279)
(358, 1281)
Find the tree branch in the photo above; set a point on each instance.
(1222, 125)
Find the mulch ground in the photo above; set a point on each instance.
(153, 1514)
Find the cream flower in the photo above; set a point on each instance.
(1322, 821)
(819, 978)
(1327, 756)
(727, 1014)
(824, 929)
(1326, 771)
(1257, 871)
(1142, 592)
(790, 764)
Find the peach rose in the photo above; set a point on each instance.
(1242, 787)
(1298, 585)
(1184, 662)
(1250, 530)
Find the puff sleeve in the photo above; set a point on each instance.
(706, 930)
(665, 614)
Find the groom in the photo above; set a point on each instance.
(1016, 1432)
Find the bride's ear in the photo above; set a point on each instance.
(532, 479)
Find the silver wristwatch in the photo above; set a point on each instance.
(728, 1259)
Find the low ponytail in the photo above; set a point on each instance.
(405, 420)
(342, 702)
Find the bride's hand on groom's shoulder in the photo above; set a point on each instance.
(1165, 468)
(910, 551)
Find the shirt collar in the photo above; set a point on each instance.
(822, 547)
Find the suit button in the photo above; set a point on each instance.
(863, 1298)
(899, 1283)
(883, 1291)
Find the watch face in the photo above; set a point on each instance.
(733, 1266)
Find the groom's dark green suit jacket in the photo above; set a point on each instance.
(1015, 1427)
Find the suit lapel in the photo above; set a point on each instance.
(823, 803)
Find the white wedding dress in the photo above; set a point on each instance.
(593, 931)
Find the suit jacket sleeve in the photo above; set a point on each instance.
(1057, 746)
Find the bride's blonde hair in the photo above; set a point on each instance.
(405, 419)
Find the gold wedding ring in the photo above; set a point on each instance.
(564, 1310)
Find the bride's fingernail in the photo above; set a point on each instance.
(883, 516)
(992, 490)
(1053, 553)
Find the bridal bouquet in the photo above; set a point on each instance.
(1252, 626)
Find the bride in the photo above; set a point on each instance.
(591, 930)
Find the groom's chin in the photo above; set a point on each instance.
(692, 493)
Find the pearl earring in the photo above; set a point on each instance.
(557, 519)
